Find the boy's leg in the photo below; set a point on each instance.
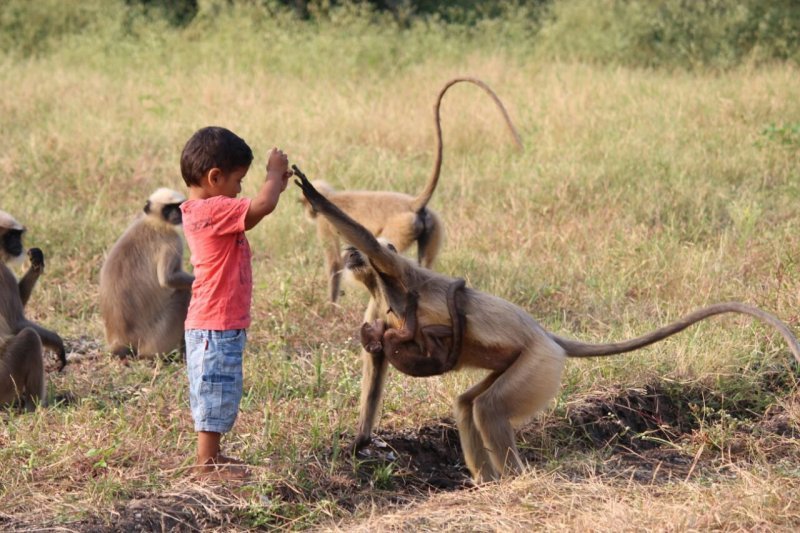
(211, 463)
(207, 446)
(213, 361)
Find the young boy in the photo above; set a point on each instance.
(213, 164)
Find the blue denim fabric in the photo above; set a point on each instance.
(214, 366)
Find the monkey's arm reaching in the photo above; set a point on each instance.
(170, 272)
(351, 231)
(30, 278)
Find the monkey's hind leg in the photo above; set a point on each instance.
(430, 240)
(22, 370)
(525, 388)
(475, 454)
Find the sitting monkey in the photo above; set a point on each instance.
(22, 372)
(144, 291)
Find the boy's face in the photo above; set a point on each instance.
(229, 184)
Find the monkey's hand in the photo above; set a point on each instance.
(372, 336)
(360, 442)
(312, 195)
(36, 258)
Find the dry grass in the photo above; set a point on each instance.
(641, 195)
(551, 501)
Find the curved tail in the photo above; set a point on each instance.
(580, 349)
(424, 197)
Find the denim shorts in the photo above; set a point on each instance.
(214, 366)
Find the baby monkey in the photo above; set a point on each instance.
(438, 349)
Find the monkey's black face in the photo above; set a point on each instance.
(354, 259)
(357, 264)
(172, 214)
(12, 242)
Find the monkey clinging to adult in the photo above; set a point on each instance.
(524, 360)
(400, 218)
(15, 295)
(144, 291)
(440, 344)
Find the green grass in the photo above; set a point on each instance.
(641, 195)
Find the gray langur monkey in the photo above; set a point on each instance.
(400, 218)
(524, 360)
(144, 291)
(22, 370)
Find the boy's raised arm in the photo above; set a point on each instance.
(266, 200)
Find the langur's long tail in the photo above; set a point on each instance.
(425, 196)
(581, 349)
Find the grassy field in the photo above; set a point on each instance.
(641, 195)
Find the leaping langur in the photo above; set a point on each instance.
(400, 218)
(524, 360)
(144, 291)
(22, 371)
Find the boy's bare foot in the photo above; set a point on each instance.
(225, 460)
(221, 468)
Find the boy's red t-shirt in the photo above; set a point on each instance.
(223, 280)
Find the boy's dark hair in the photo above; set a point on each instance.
(212, 147)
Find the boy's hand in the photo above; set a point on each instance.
(278, 167)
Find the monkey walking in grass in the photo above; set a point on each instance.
(425, 324)
(214, 162)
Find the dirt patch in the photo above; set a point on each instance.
(647, 435)
(169, 513)
(424, 459)
(633, 419)
(397, 467)
(153, 514)
(651, 434)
